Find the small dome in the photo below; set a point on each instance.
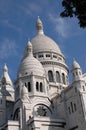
(30, 64)
(75, 65)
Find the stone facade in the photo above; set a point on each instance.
(41, 97)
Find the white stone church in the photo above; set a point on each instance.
(41, 97)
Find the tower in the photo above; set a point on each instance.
(50, 56)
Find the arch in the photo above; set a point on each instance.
(57, 77)
(50, 76)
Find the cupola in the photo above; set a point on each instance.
(76, 71)
(30, 64)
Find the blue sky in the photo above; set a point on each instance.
(17, 25)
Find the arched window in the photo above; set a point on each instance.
(41, 87)
(17, 92)
(75, 107)
(29, 87)
(17, 114)
(72, 107)
(69, 110)
(25, 84)
(76, 73)
(79, 73)
(83, 88)
(57, 77)
(50, 76)
(66, 79)
(63, 78)
(37, 86)
(1, 101)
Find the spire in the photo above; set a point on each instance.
(5, 69)
(8, 84)
(29, 48)
(6, 75)
(39, 26)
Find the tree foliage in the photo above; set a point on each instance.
(75, 8)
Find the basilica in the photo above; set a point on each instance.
(41, 97)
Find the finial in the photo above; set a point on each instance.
(5, 69)
(29, 48)
(39, 26)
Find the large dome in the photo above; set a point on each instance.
(42, 43)
(29, 64)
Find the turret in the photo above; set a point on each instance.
(76, 71)
(32, 74)
(9, 84)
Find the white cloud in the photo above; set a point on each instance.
(7, 48)
(30, 8)
(60, 26)
(25, 10)
(10, 25)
